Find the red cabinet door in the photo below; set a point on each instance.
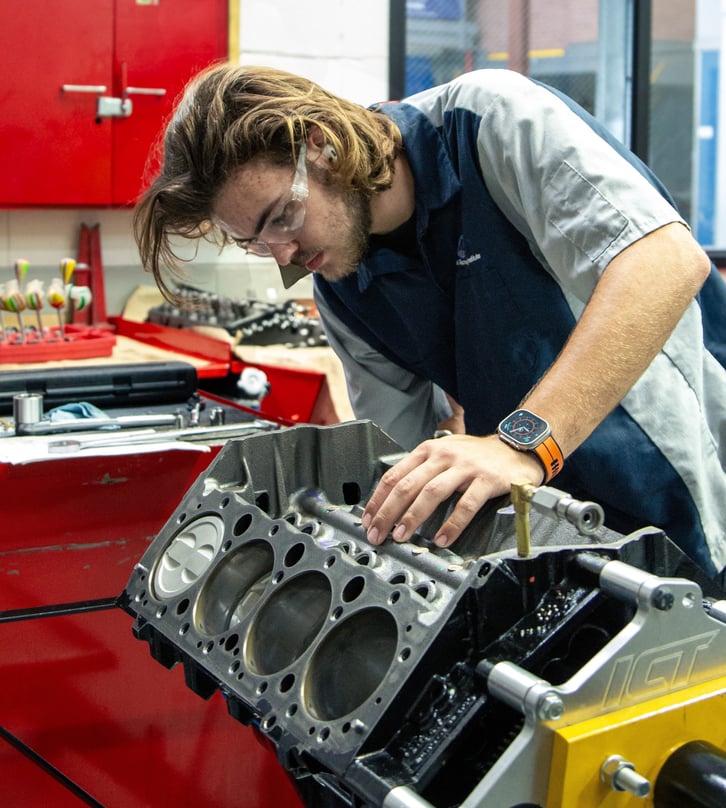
(158, 47)
(51, 148)
(60, 58)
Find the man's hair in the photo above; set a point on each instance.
(230, 114)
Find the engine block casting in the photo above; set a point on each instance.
(407, 675)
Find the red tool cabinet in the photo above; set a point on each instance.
(86, 715)
(87, 86)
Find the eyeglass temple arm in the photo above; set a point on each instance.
(300, 180)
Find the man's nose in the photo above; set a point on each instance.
(282, 253)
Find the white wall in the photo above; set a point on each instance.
(342, 44)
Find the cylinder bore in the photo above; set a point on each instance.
(350, 664)
(288, 622)
(234, 588)
(188, 556)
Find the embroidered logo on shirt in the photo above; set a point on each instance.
(462, 259)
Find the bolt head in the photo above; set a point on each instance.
(662, 599)
(550, 707)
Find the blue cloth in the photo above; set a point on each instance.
(74, 411)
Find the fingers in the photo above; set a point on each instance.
(408, 503)
(409, 492)
(396, 491)
(469, 504)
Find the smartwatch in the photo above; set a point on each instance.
(527, 432)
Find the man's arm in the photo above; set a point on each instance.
(636, 305)
(637, 302)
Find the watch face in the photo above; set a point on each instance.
(524, 427)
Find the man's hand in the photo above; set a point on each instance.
(409, 492)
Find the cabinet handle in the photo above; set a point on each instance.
(145, 91)
(84, 88)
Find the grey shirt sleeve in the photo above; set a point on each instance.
(576, 200)
(571, 195)
(404, 405)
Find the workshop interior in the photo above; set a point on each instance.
(191, 613)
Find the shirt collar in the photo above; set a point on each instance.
(434, 173)
(435, 182)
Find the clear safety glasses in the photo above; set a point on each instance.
(281, 226)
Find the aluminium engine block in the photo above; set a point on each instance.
(404, 675)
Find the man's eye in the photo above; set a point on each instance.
(285, 219)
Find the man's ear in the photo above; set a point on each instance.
(316, 143)
(319, 152)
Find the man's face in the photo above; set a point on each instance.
(333, 236)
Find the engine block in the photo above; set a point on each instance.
(405, 675)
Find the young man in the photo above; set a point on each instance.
(487, 239)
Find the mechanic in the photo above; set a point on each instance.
(489, 239)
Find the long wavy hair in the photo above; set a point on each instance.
(230, 114)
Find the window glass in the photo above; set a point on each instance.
(671, 118)
(564, 44)
(585, 49)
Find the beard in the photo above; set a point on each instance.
(351, 230)
(356, 228)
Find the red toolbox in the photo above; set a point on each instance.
(86, 717)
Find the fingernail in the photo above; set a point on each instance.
(366, 520)
(441, 541)
(399, 532)
(373, 535)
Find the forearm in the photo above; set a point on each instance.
(637, 303)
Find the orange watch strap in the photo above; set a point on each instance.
(550, 456)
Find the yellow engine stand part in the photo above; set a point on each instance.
(645, 735)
